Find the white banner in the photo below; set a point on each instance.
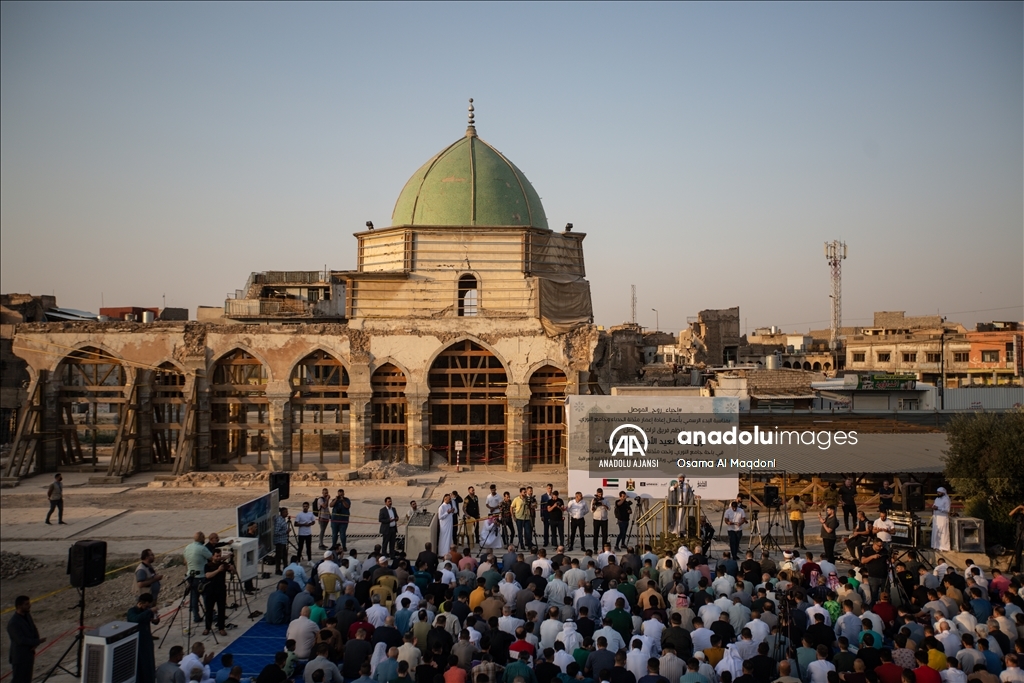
(585, 470)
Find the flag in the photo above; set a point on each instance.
(610, 483)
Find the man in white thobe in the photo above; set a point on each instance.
(940, 521)
(445, 523)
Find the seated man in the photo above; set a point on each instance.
(278, 605)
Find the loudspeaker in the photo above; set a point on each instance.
(87, 563)
(280, 481)
(771, 496)
(912, 497)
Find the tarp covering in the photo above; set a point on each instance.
(556, 257)
(564, 305)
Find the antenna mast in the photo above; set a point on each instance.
(633, 287)
(835, 254)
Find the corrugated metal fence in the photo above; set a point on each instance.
(983, 398)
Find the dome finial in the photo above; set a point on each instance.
(471, 128)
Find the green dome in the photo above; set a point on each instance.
(469, 183)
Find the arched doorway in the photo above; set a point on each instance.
(168, 401)
(816, 366)
(91, 404)
(807, 365)
(320, 409)
(467, 404)
(388, 405)
(787, 364)
(547, 416)
(238, 408)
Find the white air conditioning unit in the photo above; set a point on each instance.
(111, 653)
(245, 557)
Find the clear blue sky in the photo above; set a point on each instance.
(708, 150)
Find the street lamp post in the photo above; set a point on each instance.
(657, 324)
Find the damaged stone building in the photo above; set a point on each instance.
(458, 335)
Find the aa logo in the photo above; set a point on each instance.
(626, 440)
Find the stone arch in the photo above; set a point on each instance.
(389, 428)
(827, 366)
(816, 366)
(534, 367)
(320, 408)
(239, 409)
(547, 415)
(249, 350)
(91, 402)
(787, 364)
(468, 384)
(479, 342)
(807, 365)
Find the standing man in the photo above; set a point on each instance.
(556, 510)
(24, 640)
(216, 591)
(147, 580)
(940, 521)
(323, 513)
(196, 556)
(521, 513)
(145, 616)
(623, 510)
(600, 510)
(680, 493)
(471, 506)
(577, 520)
(388, 518)
(531, 502)
(508, 523)
(411, 512)
(848, 497)
(493, 501)
(282, 525)
(735, 518)
(829, 524)
(876, 563)
(445, 524)
(55, 494)
(886, 494)
(883, 528)
(797, 507)
(340, 508)
(545, 498)
(305, 521)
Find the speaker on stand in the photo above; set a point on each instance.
(87, 567)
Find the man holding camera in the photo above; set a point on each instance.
(215, 590)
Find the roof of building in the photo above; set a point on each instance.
(469, 183)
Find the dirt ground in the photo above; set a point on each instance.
(58, 614)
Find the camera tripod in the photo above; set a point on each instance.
(767, 541)
(191, 583)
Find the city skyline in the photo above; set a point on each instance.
(708, 151)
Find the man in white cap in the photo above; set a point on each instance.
(940, 521)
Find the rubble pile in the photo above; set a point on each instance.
(16, 564)
(381, 469)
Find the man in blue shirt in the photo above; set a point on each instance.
(982, 608)
(278, 605)
(281, 528)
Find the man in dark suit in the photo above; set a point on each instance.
(24, 640)
(388, 518)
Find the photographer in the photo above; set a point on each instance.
(215, 590)
(623, 510)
